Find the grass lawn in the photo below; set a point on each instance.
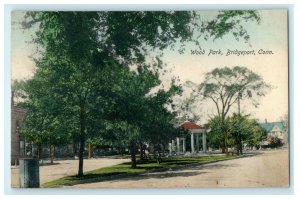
(125, 168)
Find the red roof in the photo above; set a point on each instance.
(190, 125)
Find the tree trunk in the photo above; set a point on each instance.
(241, 146)
(39, 151)
(158, 155)
(12, 98)
(163, 148)
(238, 148)
(90, 151)
(154, 151)
(132, 153)
(52, 151)
(81, 140)
(226, 142)
(142, 154)
(223, 146)
(74, 149)
(225, 133)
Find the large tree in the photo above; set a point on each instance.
(137, 115)
(242, 129)
(46, 121)
(78, 48)
(226, 86)
(18, 94)
(245, 130)
(216, 136)
(187, 109)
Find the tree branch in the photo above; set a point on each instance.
(216, 103)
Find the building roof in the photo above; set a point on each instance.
(190, 125)
(270, 125)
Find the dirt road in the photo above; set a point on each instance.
(267, 169)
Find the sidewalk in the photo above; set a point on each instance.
(63, 168)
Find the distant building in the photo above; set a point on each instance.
(17, 117)
(275, 129)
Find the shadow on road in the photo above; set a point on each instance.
(158, 175)
(174, 172)
(49, 164)
(190, 170)
(169, 174)
(212, 166)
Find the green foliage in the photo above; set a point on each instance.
(225, 86)
(230, 20)
(129, 36)
(43, 123)
(241, 130)
(18, 94)
(83, 88)
(126, 36)
(245, 130)
(100, 98)
(215, 137)
(274, 142)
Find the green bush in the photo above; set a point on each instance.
(274, 142)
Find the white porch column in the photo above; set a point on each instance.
(183, 145)
(197, 142)
(204, 141)
(192, 143)
(178, 145)
(173, 145)
(170, 148)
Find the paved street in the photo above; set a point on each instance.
(268, 169)
(65, 168)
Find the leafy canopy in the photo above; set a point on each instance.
(83, 83)
(224, 86)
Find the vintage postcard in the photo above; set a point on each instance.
(149, 99)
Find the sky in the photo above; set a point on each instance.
(270, 35)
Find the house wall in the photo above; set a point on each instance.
(276, 132)
(17, 116)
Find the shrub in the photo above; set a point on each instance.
(274, 142)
